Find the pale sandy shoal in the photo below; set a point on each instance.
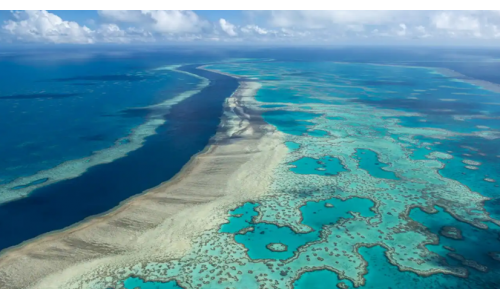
(481, 83)
(446, 72)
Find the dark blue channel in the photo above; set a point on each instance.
(189, 127)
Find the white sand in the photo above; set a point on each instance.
(471, 162)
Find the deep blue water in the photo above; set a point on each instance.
(52, 113)
(189, 126)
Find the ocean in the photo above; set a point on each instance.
(58, 111)
(391, 179)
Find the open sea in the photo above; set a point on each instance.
(57, 111)
(391, 180)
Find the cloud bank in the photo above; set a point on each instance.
(328, 27)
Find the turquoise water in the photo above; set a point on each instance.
(272, 106)
(264, 234)
(328, 212)
(420, 153)
(325, 166)
(456, 169)
(268, 95)
(137, 283)
(411, 90)
(474, 179)
(383, 275)
(241, 218)
(368, 160)
(318, 133)
(475, 243)
(292, 145)
(291, 122)
(315, 215)
(322, 279)
(410, 129)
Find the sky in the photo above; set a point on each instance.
(251, 27)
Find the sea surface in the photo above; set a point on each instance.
(392, 179)
(56, 112)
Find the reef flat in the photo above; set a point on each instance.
(329, 175)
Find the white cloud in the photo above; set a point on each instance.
(322, 19)
(254, 29)
(132, 16)
(466, 24)
(282, 26)
(421, 32)
(441, 25)
(45, 27)
(174, 21)
(42, 26)
(355, 27)
(227, 27)
(160, 21)
(402, 31)
(454, 21)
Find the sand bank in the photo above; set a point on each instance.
(478, 82)
(161, 223)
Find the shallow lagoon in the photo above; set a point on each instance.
(368, 160)
(315, 215)
(291, 122)
(324, 166)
